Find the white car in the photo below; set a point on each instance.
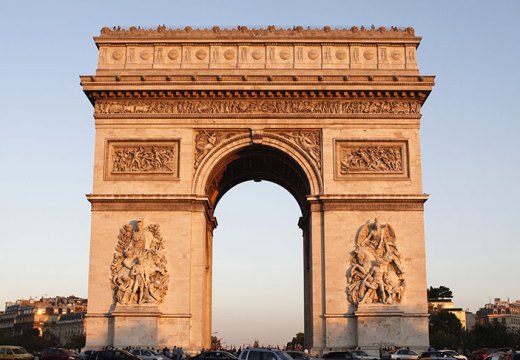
(454, 354)
(361, 355)
(404, 354)
(145, 354)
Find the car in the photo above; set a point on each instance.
(85, 354)
(58, 354)
(8, 352)
(362, 355)
(481, 354)
(435, 355)
(145, 354)
(214, 355)
(112, 355)
(343, 355)
(264, 354)
(300, 355)
(454, 354)
(404, 354)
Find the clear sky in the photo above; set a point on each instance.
(470, 152)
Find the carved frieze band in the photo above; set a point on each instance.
(260, 106)
(358, 159)
(142, 160)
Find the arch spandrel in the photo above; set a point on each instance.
(300, 164)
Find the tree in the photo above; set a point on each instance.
(441, 292)
(445, 331)
(297, 341)
(215, 343)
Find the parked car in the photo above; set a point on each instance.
(454, 354)
(300, 355)
(214, 355)
(362, 355)
(435, 355)
(112, 355)
(264, 354)
(145, 354)
(85, 354)
(481, 354)
(343, 355)
(8, 352)
(404, 354)
(58, 354)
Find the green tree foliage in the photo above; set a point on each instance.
(297, 341)
(494, 335)
(441, 292)
(76, 342)
(445, 331)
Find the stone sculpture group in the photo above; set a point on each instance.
(376, 273)
(139, 273)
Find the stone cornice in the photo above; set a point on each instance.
(243, 33)
(148, 202)
(368, 202)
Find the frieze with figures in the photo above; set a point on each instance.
(371, 159)
(376, 273)
(139, 271)
(261, 106)
(142, 159)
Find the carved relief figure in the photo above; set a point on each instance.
(375, 274)
(139, 273)
(309, 141)
(143, 159)
(206, 140)
(377, 159)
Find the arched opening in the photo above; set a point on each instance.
(257, 266)
(257, 163)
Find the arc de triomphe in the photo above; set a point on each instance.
(331, 115)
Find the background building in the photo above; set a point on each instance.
(501, 311)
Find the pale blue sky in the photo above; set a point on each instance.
(470, 151)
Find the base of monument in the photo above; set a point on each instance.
(380, 326)
(135, 325)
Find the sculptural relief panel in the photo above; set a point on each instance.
(224, 57)
(363, 57)
(336, 57)
(206, 140)
(195, 57)
(307, 57)
(375, 275)
(142, 160)
(280, 57)
(167, 57)
(139, 57)
(391, 57)
(139, 273)
(309, 141)
(371, 160)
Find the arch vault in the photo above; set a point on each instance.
(331, 115)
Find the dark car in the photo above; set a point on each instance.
(58, 354)
(112, 355)
(215, 355)
(343, 355)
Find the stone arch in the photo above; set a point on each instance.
(301, 175)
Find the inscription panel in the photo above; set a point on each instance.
(371, 160)
(142, 160)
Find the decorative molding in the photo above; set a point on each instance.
(139, 268)
(142, 159)
(240, 32)
(371, 160)
(206, 140)
(376, 274)
(259, 106)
